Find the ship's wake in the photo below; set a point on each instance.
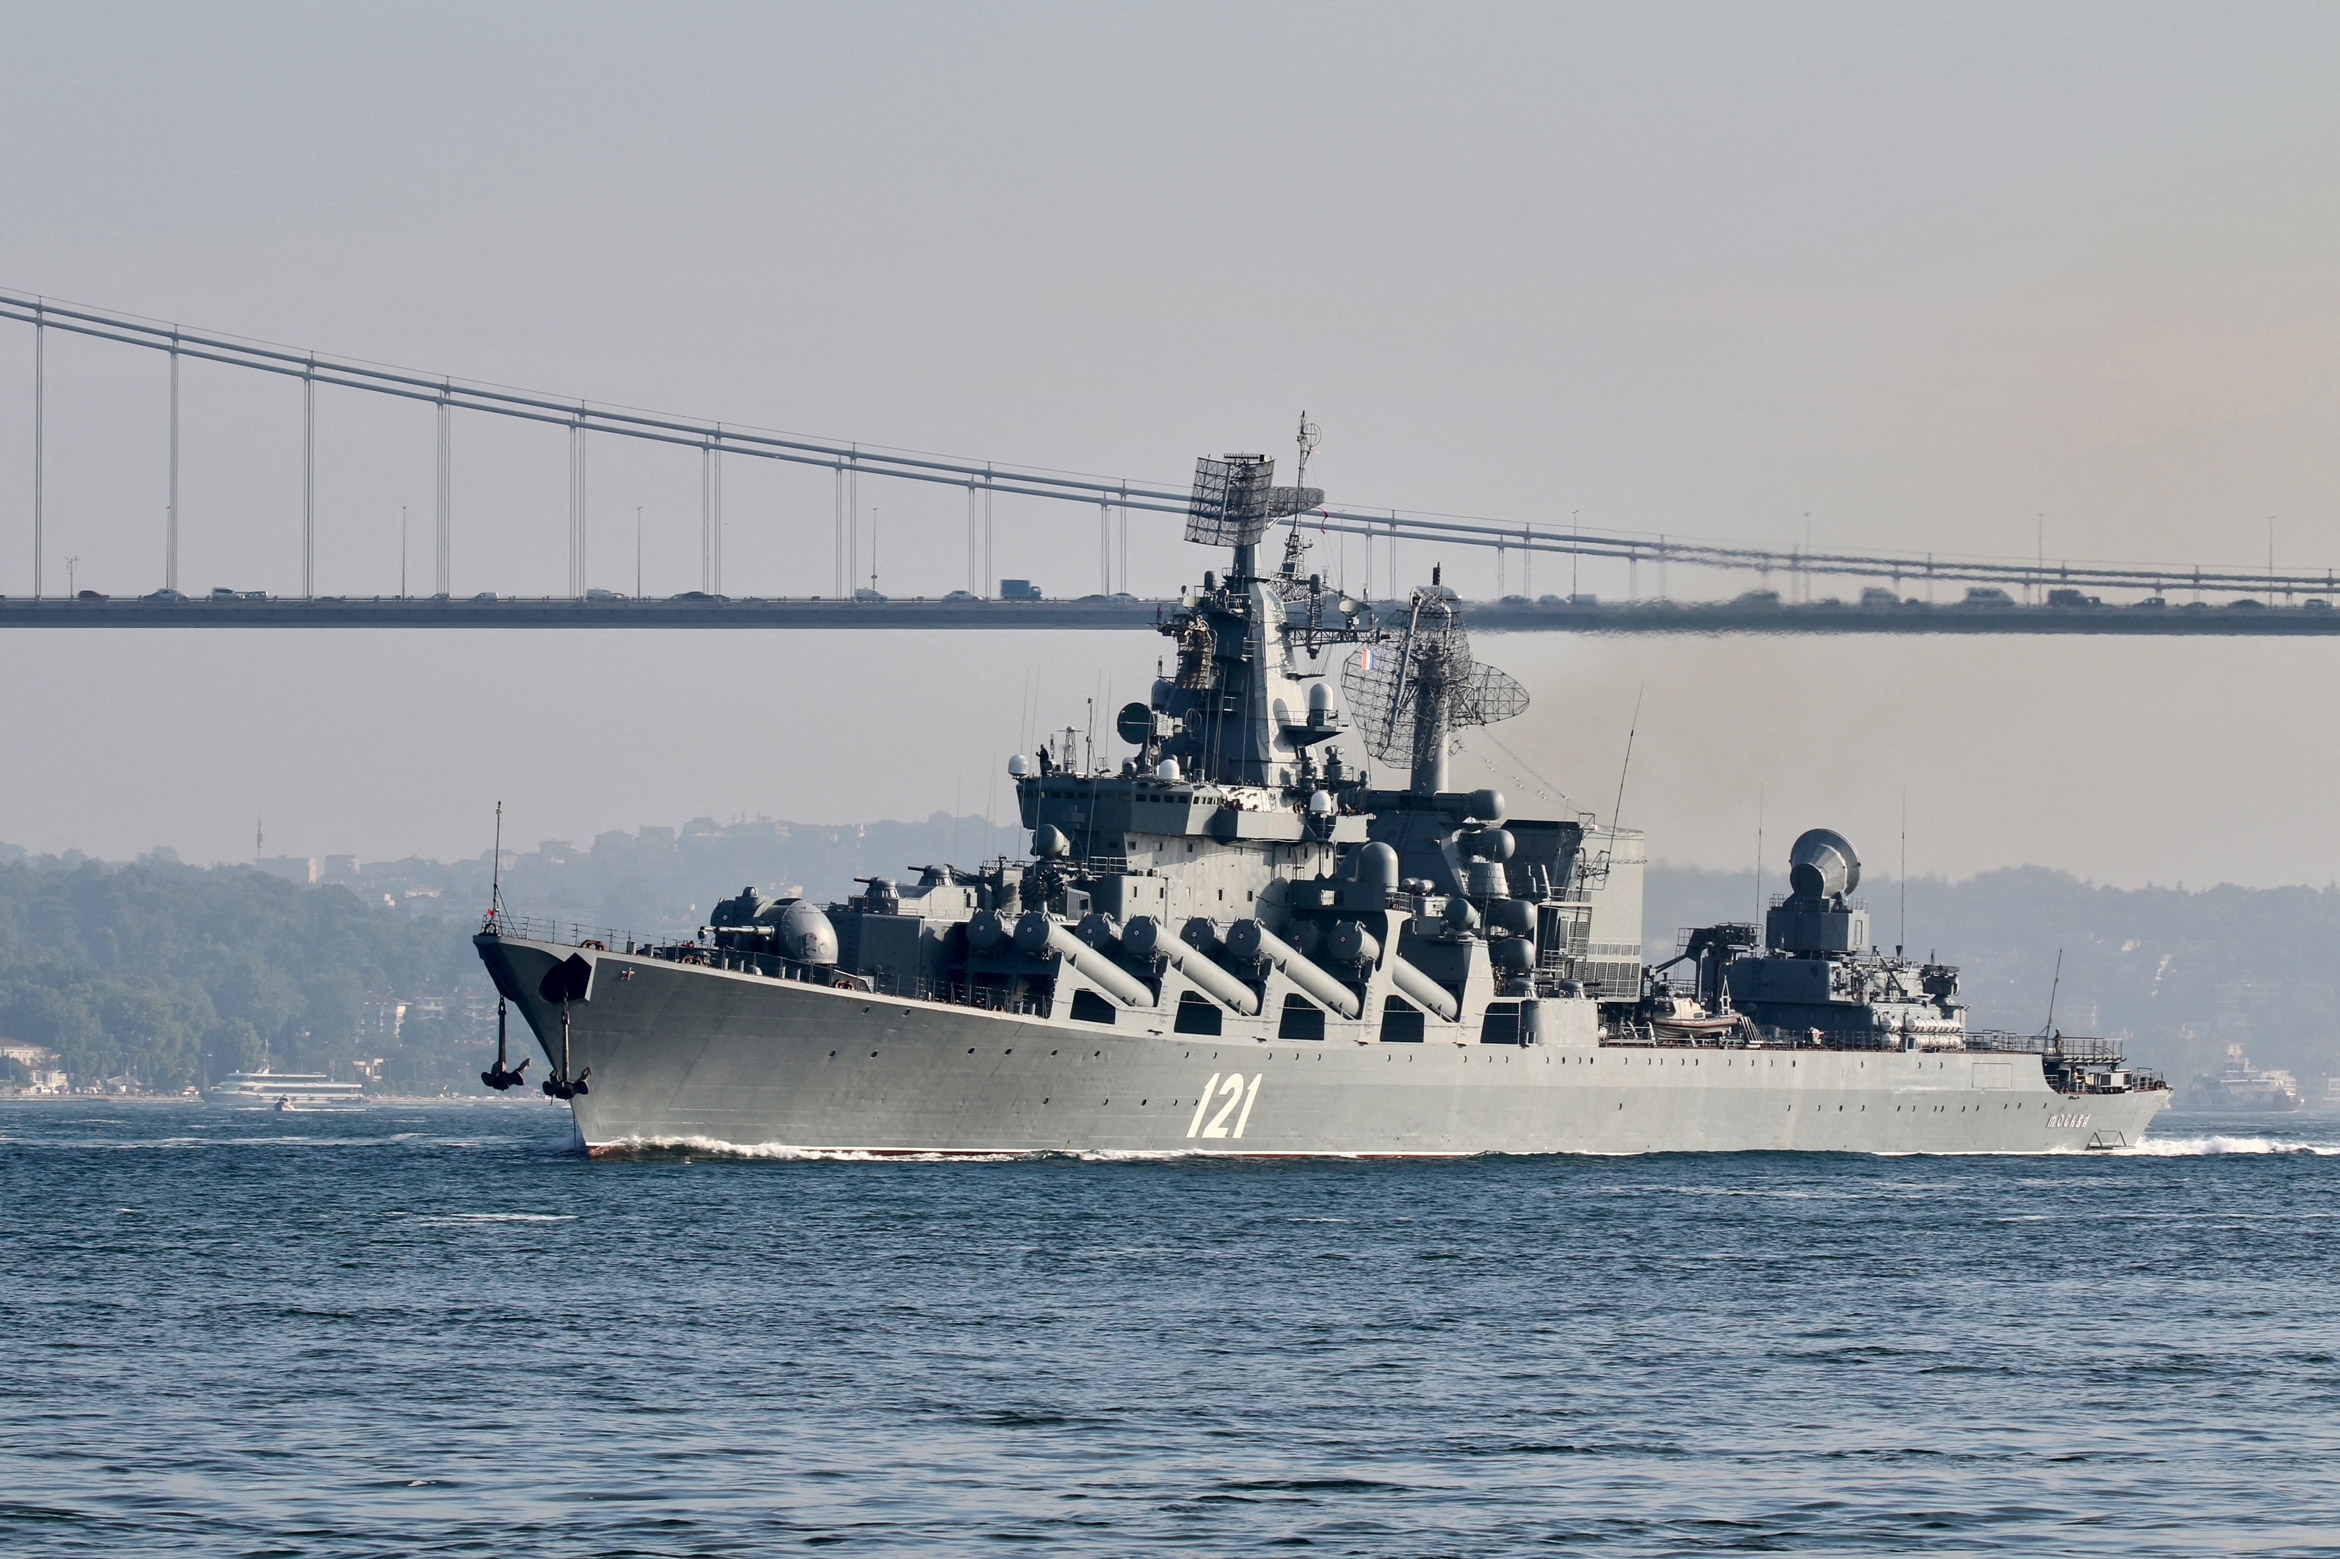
(2215, 1144)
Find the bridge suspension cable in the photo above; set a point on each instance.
(851, 460)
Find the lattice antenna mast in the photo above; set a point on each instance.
(1399, 732)
(1442, 669)
(1411, 700)
(1295, 547)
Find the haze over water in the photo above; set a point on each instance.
(2053, 281)
(431, 1329)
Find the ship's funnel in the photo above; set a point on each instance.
(1821, 865)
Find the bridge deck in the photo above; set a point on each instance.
(1713, 617)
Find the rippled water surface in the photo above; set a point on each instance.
(433, 1330)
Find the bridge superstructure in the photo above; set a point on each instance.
(2057, 593)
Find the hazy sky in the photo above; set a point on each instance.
(1909, 277)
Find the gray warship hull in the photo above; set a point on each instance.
(682, 1055)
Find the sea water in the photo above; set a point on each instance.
(435, 1330)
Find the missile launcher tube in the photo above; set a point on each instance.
(1149, 938)
(1351, 943)
(1423, 991)
(1250, 939)
(1037, 934)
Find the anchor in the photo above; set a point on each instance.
(502, 1076)
(566, 982)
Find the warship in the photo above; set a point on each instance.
(1242, 938)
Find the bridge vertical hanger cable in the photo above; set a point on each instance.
(40, 351)
(1104, 547)
(971, 576)
(577, 505)
(989, 577)
(718, 586)
(707, 518)
(837, 540)
(309, 483)
(442, 573)
(171, 510)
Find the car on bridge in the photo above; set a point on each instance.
(1988, 596)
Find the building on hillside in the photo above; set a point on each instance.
(380, 1019)
(45, 1067)
(383, 1020)
(292, 868)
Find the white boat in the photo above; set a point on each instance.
(286, 1090)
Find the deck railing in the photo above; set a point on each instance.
(567, 933)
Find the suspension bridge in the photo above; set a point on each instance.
(1882, 592)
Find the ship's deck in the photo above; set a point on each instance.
(2078, 1052)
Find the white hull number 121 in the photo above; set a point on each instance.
(1231, 1093)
